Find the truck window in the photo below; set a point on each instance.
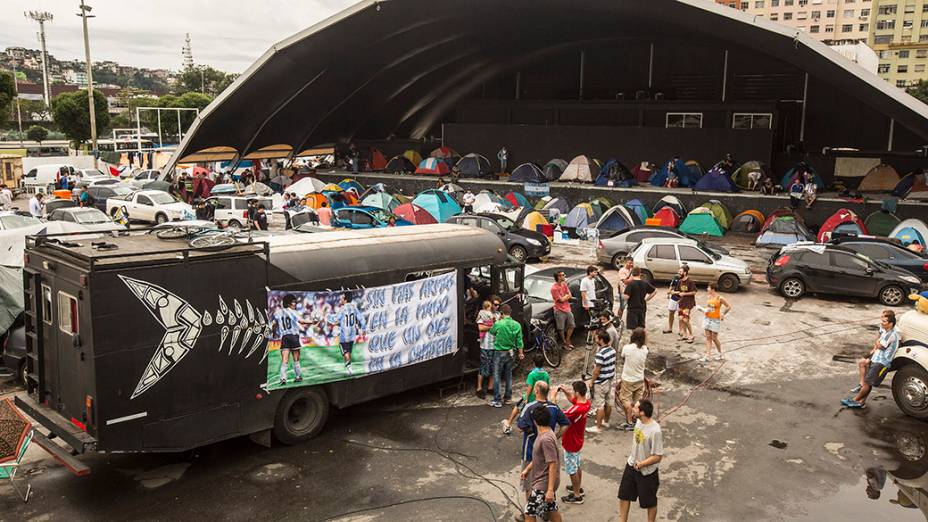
(143, 200)
(31, 173)
(67, 314)
(46, 304)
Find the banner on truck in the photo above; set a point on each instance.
(327, 336)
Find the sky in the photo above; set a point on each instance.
(225, 34)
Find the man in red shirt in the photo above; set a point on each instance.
(572, 441)
(563, 315)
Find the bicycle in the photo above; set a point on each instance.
(200, 236)
(548, 344)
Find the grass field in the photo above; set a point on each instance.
(319, 365)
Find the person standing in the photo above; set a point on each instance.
(558, 423)
(6, 198)
(637, 295)
(325, 214)
(625, 277)
(716, 310)
(603, 381)
(36, 205)
(687, 293)
(635, 355)
(641, 478)
(351, 325)
(544, 471)
(288, 323)
(874, 368)
(503, 157)
(572, 442)
(563, 314)
(588, 290)
(468, 199)
(673, 301)
(538, 373)
(485, 319)
(507, 335)
(607, 324)
(809, 189)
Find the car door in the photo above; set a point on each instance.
(851, 275)
(491, 226)
(702, 268)
(662, 262)
(143, 209)
(362, 220)
(343, 218)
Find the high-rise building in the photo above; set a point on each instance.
(899, 35)
(831, 21)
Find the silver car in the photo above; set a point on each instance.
(611, 251)
(660, 259)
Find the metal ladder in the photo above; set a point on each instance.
(32, 315)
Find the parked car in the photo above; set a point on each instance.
(42, 178)
(612, 249)
(232, 211)
(100, 193)
(803, 268)
(147, 176)
(364, 218)
(151, 206)
(13, 350)
(10, 220)
(89, 217)
(660, 259)
(540, 307)
(888, 252)
(53, 204)
(522, 244)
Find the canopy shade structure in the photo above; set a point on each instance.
(419, 59)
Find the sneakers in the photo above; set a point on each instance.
(605, 425)
(593, 429)
(856, 389)
(719, 357)
(348, 369)
(572, 499)
(496, 404)
(283, 382)
(854, 405)
(299, 378)
(570, 487)
(626, 426)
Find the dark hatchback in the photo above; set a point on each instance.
(828, 269)
(522, 244)
(888, 252)
(538, 303)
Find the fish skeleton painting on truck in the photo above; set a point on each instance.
(183, 325)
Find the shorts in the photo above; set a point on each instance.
(564, 320)
(635, 318)
(604, 393)
(875, 374)
(672, 305)
(643, 488)
(290, 342)
(712, 325)
(537, 507)
(571, 462)
(346, 347)
(486, 363)
(631, 392)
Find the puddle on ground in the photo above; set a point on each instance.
(855, 503)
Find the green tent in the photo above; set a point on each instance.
(740, 177)
(881, 223)
(722, 215)
(701, 222)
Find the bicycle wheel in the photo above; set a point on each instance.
(212, 241)
(551, 351)
(172, 233)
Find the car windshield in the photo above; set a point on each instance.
(15, 221)
(90, 217)
(506, 223)
(121, 191)
(93, 173)
(716, 255)
(539, 287)
(381, 215)
(161, 198)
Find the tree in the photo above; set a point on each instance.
(204, 79)
(7, 95)
(919, 90)
(70, 112)
(37, 133)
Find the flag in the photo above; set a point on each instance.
(114, 171)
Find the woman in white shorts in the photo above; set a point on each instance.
(673, 300)
(716, 310)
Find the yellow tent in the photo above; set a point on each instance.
(333, 187)
(532, 220)
(413, 156)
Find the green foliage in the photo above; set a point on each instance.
(70, 112)
(919, 90)
(7, 95)
(37, 133)
(205, 80)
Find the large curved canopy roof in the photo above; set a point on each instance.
(396, 67)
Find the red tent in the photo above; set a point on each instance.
(643, 171)
(668, 217)
(202, 186)
(378, 160)
(433, 167)
(843, 221)
(414, 214)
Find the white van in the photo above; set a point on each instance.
(42, 178)
(232, 211)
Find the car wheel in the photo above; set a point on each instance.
(160, 218)
(892, 295)
(618, 260)
(647, 276)
(792, 288)
(518, 252)
(23, 375)
(910, 390)
(235, 226)
(729, 283)
(301, 415)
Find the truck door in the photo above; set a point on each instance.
(67, 363)
(507, 282)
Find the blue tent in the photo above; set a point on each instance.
(782, 231)
(580, 216)
(617, 218)
(528, 173)
(475, 166)
(437, 203)
(716, 180)
(685, 174)
(796, 171)
(615, 174)
(639, 209)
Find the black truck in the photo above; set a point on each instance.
(137, 344)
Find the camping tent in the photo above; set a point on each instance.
(454, 189)
(843, 221)
(797, 172)
(528, 173)
(433, 167)
(614, 174)
(617, 218)
(413, 156)
(489, 201)
(381, 200)
(701, 222)
(446, 154)
(672, 202)
(741, 177)
(517, 200)
(314, 199)
(531, 220)
(783, 230)
(696, 170)
(580, 216)
(377, 160)
(721, 213)
(439, 204)
(747, 222)
(881, 178)
(640, 210)
(582, 169)
(553, 205)
(349, 183)
(780, 212)
(600, 205)
(333, 187)
(554, 168)
(667, 217)
(716, 180)
(400, 165)
(911, 230)
(474, 166)
(881, 223)
(414, 214)
(643, 171)
(910, 180)
(687, 175)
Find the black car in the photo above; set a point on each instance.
(522, 244)
(540, 307)
(13, 344)
(829, 269)
(100, 193)
(887, 252)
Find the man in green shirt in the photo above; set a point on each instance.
(538, 373)
(507, 336)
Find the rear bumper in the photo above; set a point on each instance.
(80, 441)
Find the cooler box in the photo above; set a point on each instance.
(653, 222)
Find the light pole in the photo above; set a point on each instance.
(42, 17)
(85, 14)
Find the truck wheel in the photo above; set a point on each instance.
(160, 218)
(729, 283)
(618, 260)
(892, 295)
(301, 414)
(910, 390)
(235, 226)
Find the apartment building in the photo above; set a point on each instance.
(834, 22)
(899, 35)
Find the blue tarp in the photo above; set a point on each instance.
(686, 176)
(716, 180)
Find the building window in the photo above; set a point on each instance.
(902, 54)
(863, 27)
(924, 23)
(830, 13)
(902, 68)
(921, 53)
(921, 38)
(864, 13)
(882, 39)
(883, 68)
(846, 28)
(907, 24)
(787, 2)
(684, 120)
(900, 83)
(920, 68)
(744, 7)
(813, 29)
(910, 8)
(885, 24)
(829, 28)
(774, 3)
(883, 10)
(925, 8)
(774, 17)
(786, 16)
(759, 4)
(801, 15)
(849, 13)
(816, 15)
(67, 314)
(749, 120)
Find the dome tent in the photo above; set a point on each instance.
(716, 180)
(643, 171)
(437, 203)
(881, 178)
(580, 216)
(741, 177)
(554, 168)
(414, 157)
(446, 154)
(638, 207)
(433, 167)
(747, 222)
(617, 218)
(517, 200)
(843, 221)
(687, 175)
(913, 181)
(399, 165)
(721, 213)
(414, 214)
(672, 202)
(474, 166)
(783, 229)
(381, 200)
(614, 174)
(667, 217)
(911, 230)
(527, 173)
(582, 169)
(489, 201)
(701, 222)
(600, 205)
(377, 160)
(797, 172)
(881, 223)
(553, 205)
(349, 183)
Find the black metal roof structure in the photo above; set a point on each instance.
(399, 68)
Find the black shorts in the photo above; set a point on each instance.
(635, 318)
(875, 374)
(643, 488)
(290, 342)
(346, 347)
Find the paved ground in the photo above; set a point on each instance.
(764, 439)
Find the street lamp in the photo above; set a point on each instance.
(42, 17)
(85, 14)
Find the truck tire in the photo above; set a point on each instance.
(160, 218)
(301, 415)
(729, 283)
(910, 391)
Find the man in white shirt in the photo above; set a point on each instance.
(36, 206)
(588, 290)
(469, 199)
(6, 198)
(635, 355)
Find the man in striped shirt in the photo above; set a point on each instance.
(351, 325)
(603, 381)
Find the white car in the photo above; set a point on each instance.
(660, 258)
(88, 217)
(232, 211)
(11, 220)
(147, 176)
(150, 206)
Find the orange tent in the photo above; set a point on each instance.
(314, 200)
